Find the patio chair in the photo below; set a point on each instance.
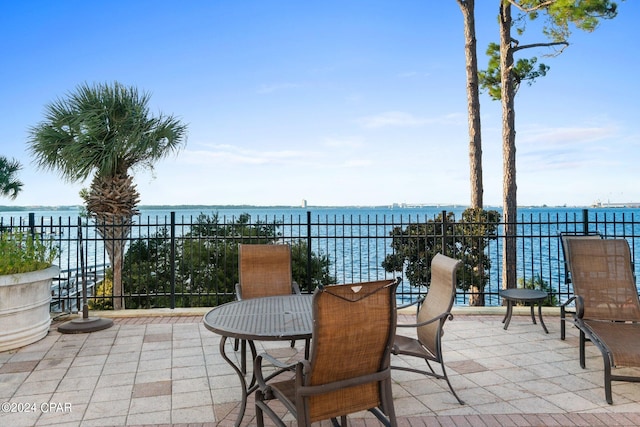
(263, 270)
(607, 305)
(432, 313)
(348, 370)
(565, 236)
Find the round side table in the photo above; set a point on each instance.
(527, 296)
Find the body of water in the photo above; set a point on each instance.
(353, 257)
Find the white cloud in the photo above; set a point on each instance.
(565, 148)
(566, 135)
(403, 119)
(233, 154)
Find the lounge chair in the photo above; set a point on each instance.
(348, 370)
(607, 305)
(263, 270)
(433, 312)
(565, 236)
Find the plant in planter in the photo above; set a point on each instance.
(23, 252)
(26, 272)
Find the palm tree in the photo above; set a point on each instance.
(105, 131)
(10, 186)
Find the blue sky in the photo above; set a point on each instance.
(335, 102)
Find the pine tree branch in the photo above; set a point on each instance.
(537, 7)
(532, 45)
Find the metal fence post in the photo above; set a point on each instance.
(443, 232)
(32, 223)
(172, 261)
(585, 221)
(309, 250)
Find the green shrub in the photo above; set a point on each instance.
(23, 252)
(104, 291)
(538, 283)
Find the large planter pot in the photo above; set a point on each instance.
(24, 307)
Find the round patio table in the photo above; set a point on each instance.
(528, 296)
(277, 318)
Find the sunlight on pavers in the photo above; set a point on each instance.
(172, 373)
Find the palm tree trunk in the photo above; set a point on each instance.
(112, 202)
(114, 234)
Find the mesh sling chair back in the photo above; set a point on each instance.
(432, 314)
(348, 369)
(263, 270)
(607, 305)
(565, 237)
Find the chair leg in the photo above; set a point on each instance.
(433, 372)
(259, 396)
(582, 350)
(446, 377)
(307, 344)
(262, 407)
(607, 381)
(386, 412)
(387, 420)
(444, 374)
(440, 376)
(342, 423)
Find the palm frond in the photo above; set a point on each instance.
(10, 186)
(103, 129)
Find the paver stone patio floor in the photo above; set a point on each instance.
(162, 370)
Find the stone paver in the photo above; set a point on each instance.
(166, 370)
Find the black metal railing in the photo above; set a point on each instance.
(176, 261)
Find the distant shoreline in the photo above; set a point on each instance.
(310, 207)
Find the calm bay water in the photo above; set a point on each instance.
(360, 259)
(395, 212)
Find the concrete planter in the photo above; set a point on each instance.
(24, 307)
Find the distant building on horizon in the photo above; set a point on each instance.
(304, 203)
(608, 204)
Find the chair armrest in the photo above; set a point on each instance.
(579, 307)
(257, 368)
(426, 322)
(273, 361)
(563, 307)
(419, 302)
(238, 292)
